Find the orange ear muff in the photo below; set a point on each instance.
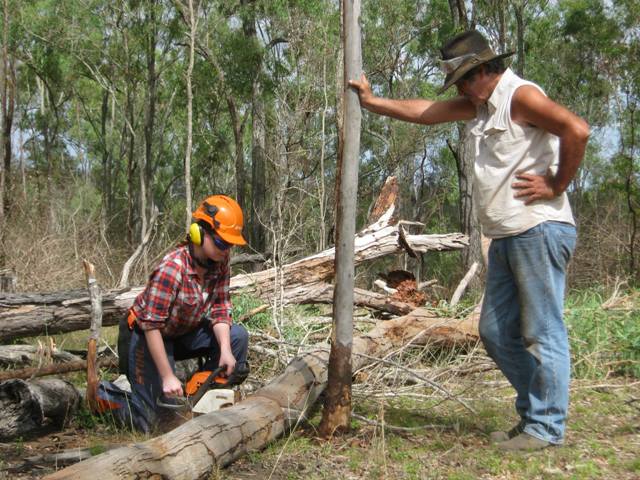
(196, 235)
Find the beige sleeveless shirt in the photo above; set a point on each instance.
(503, 148)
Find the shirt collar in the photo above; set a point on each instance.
(191, 264)
(501, 87)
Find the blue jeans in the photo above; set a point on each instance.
(521, 323)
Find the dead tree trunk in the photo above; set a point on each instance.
(26, 407)
(211, 441)
(337, 408)
(96, 324)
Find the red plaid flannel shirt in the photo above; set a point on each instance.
(175, 302)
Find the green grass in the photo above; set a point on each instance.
(603, 342)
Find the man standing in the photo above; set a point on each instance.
(527, 149)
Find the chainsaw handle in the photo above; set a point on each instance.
(182, 403)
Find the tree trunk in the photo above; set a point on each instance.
(214, 440)
(95, 296)
(25, 407)
(146, 161)
(238, 136)
(193, 25)
(468, 218)
(8, 108)
(258, 170)
(458, 11)
(131, 165)
(518, 9)
(106, 164)
(337, 408)
(258, 205)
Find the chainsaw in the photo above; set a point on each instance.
(200, 383)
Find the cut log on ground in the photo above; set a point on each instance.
(19, 355)
(212, 441)
(25, 315)
(26, 407)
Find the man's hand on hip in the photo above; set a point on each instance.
(532, 187)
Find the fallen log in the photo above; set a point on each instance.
(56, 368)
(214, 440)
(31, 314)
(323, 293)
(26, 407)
(24, 315)
(17, 355)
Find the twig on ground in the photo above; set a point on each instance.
(395, 428)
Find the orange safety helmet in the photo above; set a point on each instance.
(223, 215)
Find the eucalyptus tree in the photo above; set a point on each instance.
(8, 87)
(626, 72)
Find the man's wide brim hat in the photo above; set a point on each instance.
(463, 53)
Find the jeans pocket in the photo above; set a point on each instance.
(533, 232)
(561, 241)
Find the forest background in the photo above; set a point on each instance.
(111, 110)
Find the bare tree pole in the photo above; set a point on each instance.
(193, 25)
(337, 408)
(96, 324)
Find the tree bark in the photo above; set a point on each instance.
(518, 10)
(337, 408)
(25, 407)
(214, 440)
(95, 296)
(8, 108)
(258, 170)
(258, 205)
(146, 161)
(193, 26)
(468, 218)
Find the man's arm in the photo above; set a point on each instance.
(531, 106)
(423, 111)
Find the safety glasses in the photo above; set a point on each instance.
(220, 243)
